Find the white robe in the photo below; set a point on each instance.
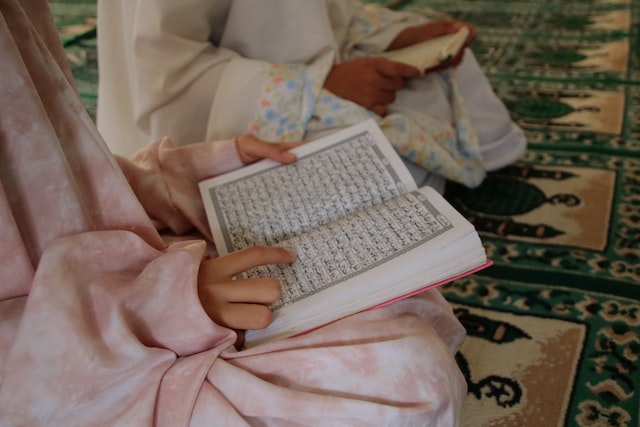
(200, 69)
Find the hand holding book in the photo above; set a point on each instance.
(363, 233)
(373, 82)
(241, 304)
(369, 82)
(433, 49)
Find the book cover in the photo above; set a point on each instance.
(431, 53)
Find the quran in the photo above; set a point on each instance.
(364, 234)
(431, 53)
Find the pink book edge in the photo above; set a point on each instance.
(488, 263)
(435, 285)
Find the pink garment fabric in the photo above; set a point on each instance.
(100, 321)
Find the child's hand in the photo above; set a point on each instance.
(251, 149)
(369, 82)
(241, 304)
(430, 30)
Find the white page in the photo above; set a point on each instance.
(357, 161)
(334, 253)
(451, 248)
(430, 53)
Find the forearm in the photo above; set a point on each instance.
(164, 177)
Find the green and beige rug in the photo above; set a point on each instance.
(554, 326)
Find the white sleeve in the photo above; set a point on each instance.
(160, 72)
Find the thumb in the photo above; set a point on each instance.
(278, 153)
(252, 149)
(391, 68)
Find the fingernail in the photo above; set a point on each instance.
(288, 156)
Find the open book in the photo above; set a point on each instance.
(431, 53)
(364, 235)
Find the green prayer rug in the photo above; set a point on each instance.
(554, 326)
(76, 22)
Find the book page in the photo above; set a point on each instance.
(336, 175)
(384, 253)
(430, 53)
(337, 251)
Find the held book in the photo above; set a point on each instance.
(431, 53)
(364, 234)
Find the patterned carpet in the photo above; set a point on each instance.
(554, 325)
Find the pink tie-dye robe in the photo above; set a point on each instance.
(100, 322)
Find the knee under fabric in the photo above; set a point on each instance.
(501, 140)
(505, 150)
